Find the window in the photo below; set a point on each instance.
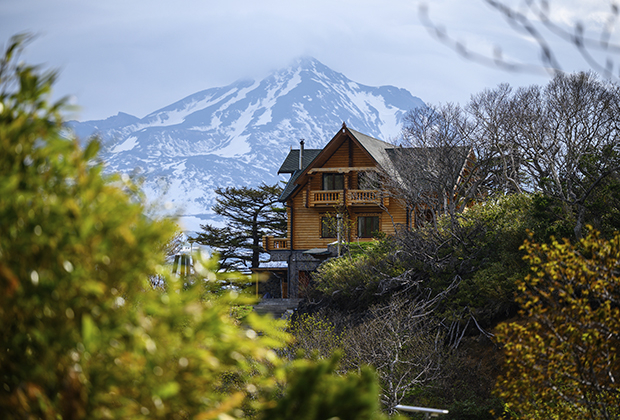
(367, 226)
(328, 227)
(333, 181)
(367, 180)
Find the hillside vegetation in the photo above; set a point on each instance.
(505, 303)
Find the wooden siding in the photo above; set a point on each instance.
(307, 210)
(349, 154)
(307, 222)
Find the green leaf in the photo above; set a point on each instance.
(89, 331)
(168, 390)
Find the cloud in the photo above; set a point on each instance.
(141, 55)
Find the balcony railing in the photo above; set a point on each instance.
(275, 244)
(354, 198)
(363, 197)
(326, 198)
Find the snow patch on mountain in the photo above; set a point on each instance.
(127, 145)
(238, 135)
(241, 94)
(236, 148)
(264, 118)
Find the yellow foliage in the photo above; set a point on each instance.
(562, 359)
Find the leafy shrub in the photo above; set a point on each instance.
(314, 334)
(356, 278)
(563, 362)
(83, 332)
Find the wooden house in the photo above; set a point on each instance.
(334, 195)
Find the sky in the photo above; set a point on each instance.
(137, 56)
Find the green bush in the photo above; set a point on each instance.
(83, 334)
(356, 277)
(315, 392)
(315, 335)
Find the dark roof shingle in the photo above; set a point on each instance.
(291, 163)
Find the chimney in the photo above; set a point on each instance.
(301, 154)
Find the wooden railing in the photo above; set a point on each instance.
(275, 244)
(354, 197)
(367, 197)
(326, 198)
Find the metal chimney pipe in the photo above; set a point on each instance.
(301, 154)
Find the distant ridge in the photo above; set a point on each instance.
(239, 134)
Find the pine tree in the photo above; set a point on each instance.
(250, 213)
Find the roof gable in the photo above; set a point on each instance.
(374, 148)
(423, 161)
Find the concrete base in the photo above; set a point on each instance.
(276, 307)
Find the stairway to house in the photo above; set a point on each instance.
(276, 307)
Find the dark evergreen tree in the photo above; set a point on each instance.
(250, 213)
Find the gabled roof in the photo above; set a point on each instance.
(387, 156)
(290, 186)
(317, 157)
(291, 166)
(376, 148)
(291, 163)
(424, 163)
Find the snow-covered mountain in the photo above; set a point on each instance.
(239, 134)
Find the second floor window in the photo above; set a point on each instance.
(333, 181)
(367, 226)
(367, 180)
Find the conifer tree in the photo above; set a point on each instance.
(250, 213)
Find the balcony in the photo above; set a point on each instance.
(354, 198)
(275, 244)
(326, 198)
(367, 197)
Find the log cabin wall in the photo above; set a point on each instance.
(306, 224)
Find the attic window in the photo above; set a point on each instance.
(333, 181)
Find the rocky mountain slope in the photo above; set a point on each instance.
(239, 134)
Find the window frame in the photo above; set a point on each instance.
(328, 181)
(326, 229)
(361, 219)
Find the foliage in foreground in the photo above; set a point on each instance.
(316, 392)
(563, 361)
(82, 332)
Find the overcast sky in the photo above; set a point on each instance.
(137, 56)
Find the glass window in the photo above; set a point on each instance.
(333, 181)
(367, 181)
(367, 226)
(328, 227)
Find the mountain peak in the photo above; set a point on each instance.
(312, 65)
(307, 62)
(237, 135)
